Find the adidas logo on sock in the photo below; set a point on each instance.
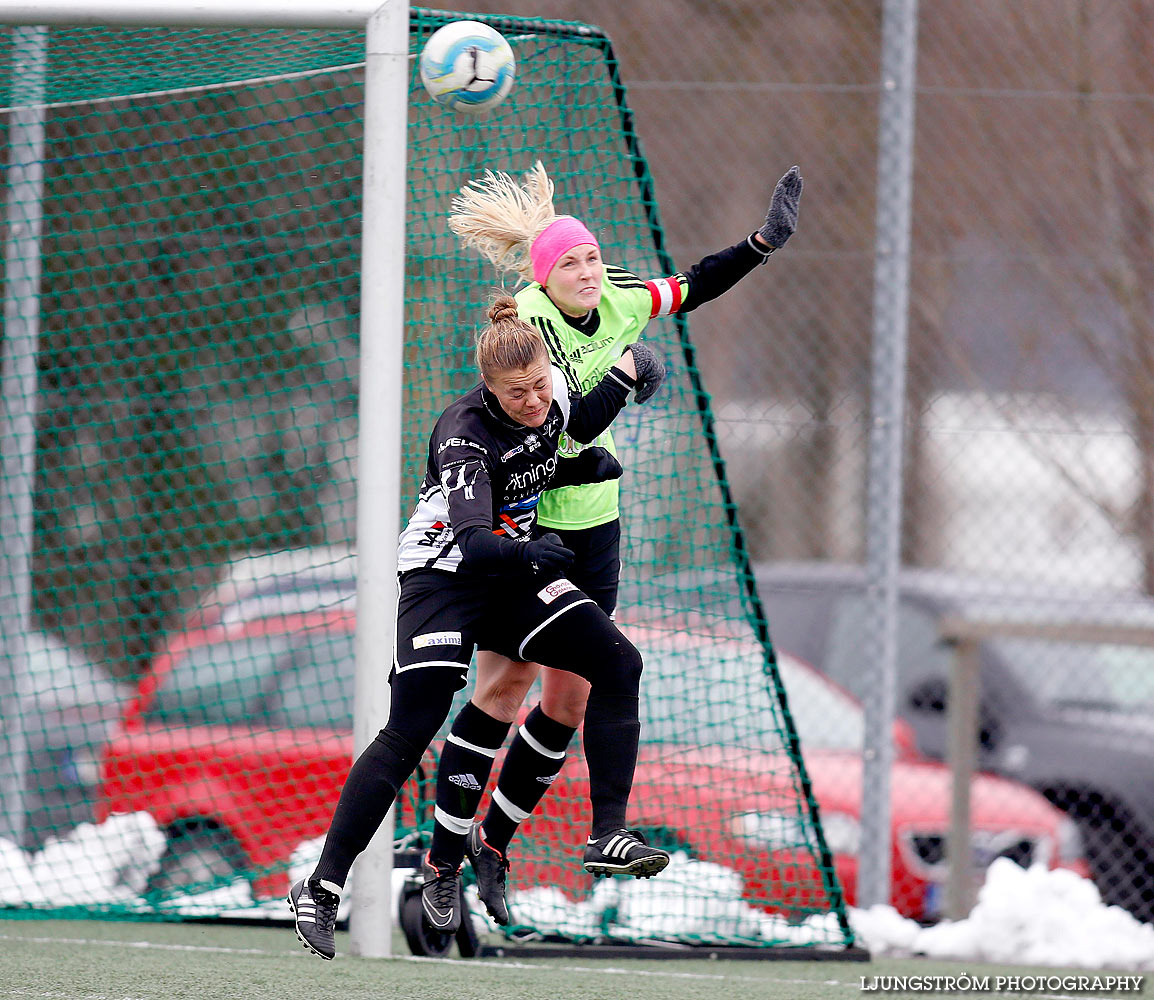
(465, 781)
(548, 779)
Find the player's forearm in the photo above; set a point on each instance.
(719, 272)
(590, 465)
(594, 412)
(484, 552)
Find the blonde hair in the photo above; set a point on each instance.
(508, 342)
(501, 218)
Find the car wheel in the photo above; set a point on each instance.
(199, 852)
(1122, 869)
(1118, 851)
(422, 939)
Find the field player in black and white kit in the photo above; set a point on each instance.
(473, 571)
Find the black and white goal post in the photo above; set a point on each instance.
(381, 324)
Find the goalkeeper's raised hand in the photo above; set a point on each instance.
(781, 219)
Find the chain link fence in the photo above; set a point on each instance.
(1029, 409)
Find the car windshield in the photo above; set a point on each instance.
(711, 691)
(276, 681)
(1114, 677)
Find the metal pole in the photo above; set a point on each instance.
(884, 487)
(962, 751)
(25, 182)
(379, 436)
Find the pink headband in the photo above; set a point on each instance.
(559, 237)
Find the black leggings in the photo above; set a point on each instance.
(420, 703)
(582, 640)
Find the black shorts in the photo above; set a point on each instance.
(597, 568)
(443, 617)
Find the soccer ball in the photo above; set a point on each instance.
(467, 66)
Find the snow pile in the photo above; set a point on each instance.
(1024, 917)
(691, 901)
(93, 865)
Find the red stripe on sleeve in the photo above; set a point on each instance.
(655, 295)
(675, 289)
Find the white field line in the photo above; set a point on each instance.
(487, 963)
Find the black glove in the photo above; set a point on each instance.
(650, 372)
(592, 465)
(781, 219)
(547, 554)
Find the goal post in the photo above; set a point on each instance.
(386, 84)
(220, 387)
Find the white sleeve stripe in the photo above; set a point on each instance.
(616, 378)
(666, 293)
(561, 394)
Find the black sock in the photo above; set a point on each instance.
(534, 760)
(368, 792)
(610, 739)
(462, 774)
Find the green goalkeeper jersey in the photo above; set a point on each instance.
(586, 350)
(627, 304)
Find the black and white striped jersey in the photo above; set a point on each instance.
(485, 469)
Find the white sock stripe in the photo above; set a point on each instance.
(483, 751)
(549, 621)
(540, 747)
(516, 814)
(454, 824)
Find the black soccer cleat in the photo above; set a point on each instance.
(624, 852)
(441, 897)
(315, 910)
(490, 867)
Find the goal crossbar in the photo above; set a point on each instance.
(194, 13)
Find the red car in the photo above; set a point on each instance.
(239, 740)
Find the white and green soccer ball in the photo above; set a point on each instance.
(467, 66)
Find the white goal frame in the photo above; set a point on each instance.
(381, 337)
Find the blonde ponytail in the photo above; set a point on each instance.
(500, 218)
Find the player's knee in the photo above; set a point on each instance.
(499, 692)
(564, 697)
(629, 667)
(401, 746)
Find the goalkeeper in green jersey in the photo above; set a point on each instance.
(588, 312)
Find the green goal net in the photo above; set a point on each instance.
(177, 580)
